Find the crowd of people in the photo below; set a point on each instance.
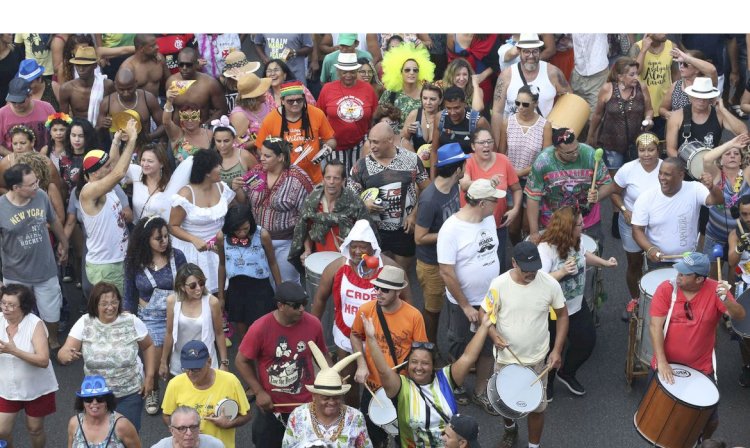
(186, 189)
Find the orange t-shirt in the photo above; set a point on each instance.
(504, 169)
(406, 326)
(320, 127)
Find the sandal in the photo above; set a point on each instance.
(459, 394)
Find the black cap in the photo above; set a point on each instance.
(527, 256)
(466, 427)
(290, 292)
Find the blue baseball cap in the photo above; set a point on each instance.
(193, 355)
(449, 154)
(694, 263)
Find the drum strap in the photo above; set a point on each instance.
(523, 80)
(387, 334)
(427, 405)
(671, 307)
(687, 120)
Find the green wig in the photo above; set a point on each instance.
(394, 60)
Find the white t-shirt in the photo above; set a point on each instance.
(206, 441)
(671, 223)
(501, 56)
(573, 286)
(523, 313)
(144, 204)
(635, 180)
(472, 250)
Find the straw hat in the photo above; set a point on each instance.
(391, 277)
(236, 65)
(85, 56)
(328, 380)
(250, 86)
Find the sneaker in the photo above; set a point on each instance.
(152, 403)
(745, 376)
(550, 389)
(67, 274)
(510, 437)
(459, 394)
(572, 383)
(483, 402)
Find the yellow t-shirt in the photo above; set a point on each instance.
(117, 40)
(36, 49)
(521, 313)
(181, 392)
(657, 74)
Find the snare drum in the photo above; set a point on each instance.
(227, 407)
(511, 393)
(674, 415)
(383, 413)
(648, 285)
(692, 154)
(742, 327)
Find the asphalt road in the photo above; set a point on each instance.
(602, 418)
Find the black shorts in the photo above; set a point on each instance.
(398, 242)
(248, 298)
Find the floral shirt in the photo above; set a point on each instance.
(299, 430)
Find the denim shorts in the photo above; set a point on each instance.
(626, 236)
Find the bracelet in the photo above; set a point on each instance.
(648, 251)
(623, 208)
(170, 110)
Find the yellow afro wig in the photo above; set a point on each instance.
(394, 60)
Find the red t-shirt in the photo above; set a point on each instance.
(285, 362)
(349, 110)
(504, 169)
(171, 44)
(690, 342)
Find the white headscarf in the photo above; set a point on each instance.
(361, 232)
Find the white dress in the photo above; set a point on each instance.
(203, 222)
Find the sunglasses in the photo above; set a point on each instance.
(295, 101)
(185, 64)
(98, 399)
(521, 103)
(688, 311)
(684, 65)
(423, 344)
(193, 285)
(411, 70)
(385, 290)
(295, 305)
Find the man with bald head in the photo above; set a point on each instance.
(665, 218)
(148, 66)
(128, 97)
(398, 176)
(206, 92)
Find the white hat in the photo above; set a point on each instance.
(328, 380)
(361, 231)
(529, 40)
(347, 62)
(702, 88)
(483, 189)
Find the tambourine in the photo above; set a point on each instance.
(228, 408)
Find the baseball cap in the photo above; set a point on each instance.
(347, 39)
(466, 427)
(18, 90)
(527, 256)
(193, 355)
(290, 292)
(483, 189)
(449, 154)
(694, 263)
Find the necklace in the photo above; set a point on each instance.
(321, 432)
(428, 122)
(126, 107)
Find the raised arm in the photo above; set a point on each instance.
(98, 188)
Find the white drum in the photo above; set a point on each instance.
(648, 285)
(692, 154)
(315, 264)
(227, 407)
(511, 393)
(383, 413)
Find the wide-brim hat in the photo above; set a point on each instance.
(250, 86)
(347, 62)
(328, 380)
(529, 40)
(391, 277)
(702, 88)
(237, 65)
(93, 386)
(85, 56)
(120, 120)
(30, 70)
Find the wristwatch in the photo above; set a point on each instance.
(225, 362)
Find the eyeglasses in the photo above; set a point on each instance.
(411, 70)
(522, 103)
(366, 72)
(294, 100)
(489, 142)
(295, 305)
(494, 201)
(185, 64)
(534, 51)
(8, 306)
(385, 290)
(193, 285)
(272, 71)
(423, 344)
(34, 184)
(98, 399)
(183, 429)
(109, 304)
(688, 311)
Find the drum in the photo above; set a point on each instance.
(315, 264)
(648, 285)
(692, 154)
(674, 415)
(742, 327)
(383, 413)
(511, 393)
(228, 408)
(570, 111)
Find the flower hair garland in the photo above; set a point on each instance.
(62, 116)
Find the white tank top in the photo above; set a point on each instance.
(547, 91)
(107, 233)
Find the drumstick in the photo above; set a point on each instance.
(514, 355)
(718, 252)
(373, 395)
(304, 154)
(598, 154)
(283, 405)
(674, 257)
(544, 372)
(392, 368)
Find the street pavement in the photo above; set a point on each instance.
(601, 418)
